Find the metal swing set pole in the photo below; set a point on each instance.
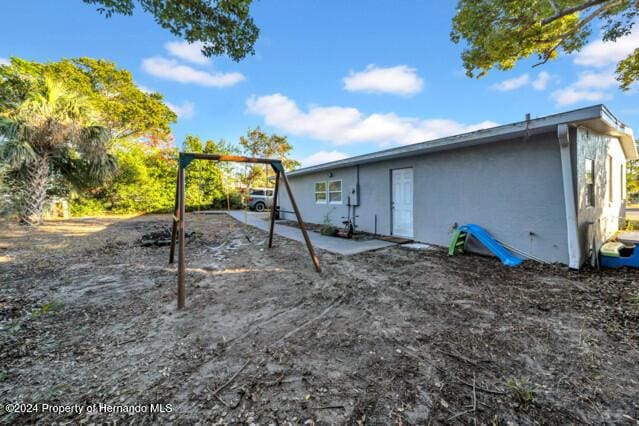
(177, 232)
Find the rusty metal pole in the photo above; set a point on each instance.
(181, 267)
(301, 223)
(175, 216)
(273, 208)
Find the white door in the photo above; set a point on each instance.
(402, 203)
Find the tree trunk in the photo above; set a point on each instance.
(35, 191)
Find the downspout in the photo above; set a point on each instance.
(574, 248)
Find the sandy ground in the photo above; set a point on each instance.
(396, 336)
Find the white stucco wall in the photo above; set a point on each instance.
(607, 214)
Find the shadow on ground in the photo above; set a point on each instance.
(391, 336)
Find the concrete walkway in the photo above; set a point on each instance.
(332, 244)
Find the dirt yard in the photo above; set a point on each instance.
(88, 316)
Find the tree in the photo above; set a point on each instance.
(106, 100)
(143, 182)
(257, 143)
(50, 132)
(501, 32)
(122, 108)
(224, 26)
(207, 182)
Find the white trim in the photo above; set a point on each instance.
(412, 202)
(596, 117)
(341, 191)
(315, 192)
(574, 250)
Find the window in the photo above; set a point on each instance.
(335, 192)
(590, 182)
(320, 192)
(269, 192)
(622, 187)
(610, 186)
(256, 192)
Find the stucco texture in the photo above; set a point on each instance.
(512, 188)
(607, 214)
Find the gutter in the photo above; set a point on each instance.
(574, 248)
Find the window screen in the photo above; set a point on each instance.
(335, 191)
(610, 177)
(320, 192)
(622, 186)
(590, 182)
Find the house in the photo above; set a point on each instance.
(551, 187)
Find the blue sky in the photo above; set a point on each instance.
(338, 78)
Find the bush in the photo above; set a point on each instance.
(145, 182)
(86, 207)
(327, 226)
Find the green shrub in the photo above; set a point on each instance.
(86, 207)
(327, 226)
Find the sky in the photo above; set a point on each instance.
(337, 78)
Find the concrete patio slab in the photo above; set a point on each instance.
(333, 244)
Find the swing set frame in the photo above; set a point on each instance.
(179, 219)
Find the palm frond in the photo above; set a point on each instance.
(17, 152)
(93, 142)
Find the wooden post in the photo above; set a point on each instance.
(181, 266)
(179, 216)
(175, 216)
(301, 223)
(273, 208)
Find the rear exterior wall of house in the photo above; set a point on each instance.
(512, 188)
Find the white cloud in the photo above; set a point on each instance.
(590, 86)
(344, 125)
(186, 110)
(542, 80)
(600, 54)
(170, 69)
(323, 157)
(4, 61)
(596, 80)
(399, 80)
(191, 52)
(512, 83)
(572, 95)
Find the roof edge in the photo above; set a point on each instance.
(623, 132)
(594, 113)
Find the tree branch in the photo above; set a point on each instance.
(581, 24)
(571, 10)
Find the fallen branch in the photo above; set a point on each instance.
(494, 392)
(221, 400)
(473, 406)
(460, 357)
(229, 381)
(459, 414)
(324, 312)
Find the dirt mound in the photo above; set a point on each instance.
(162, 237)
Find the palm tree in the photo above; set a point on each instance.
(47, 133)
